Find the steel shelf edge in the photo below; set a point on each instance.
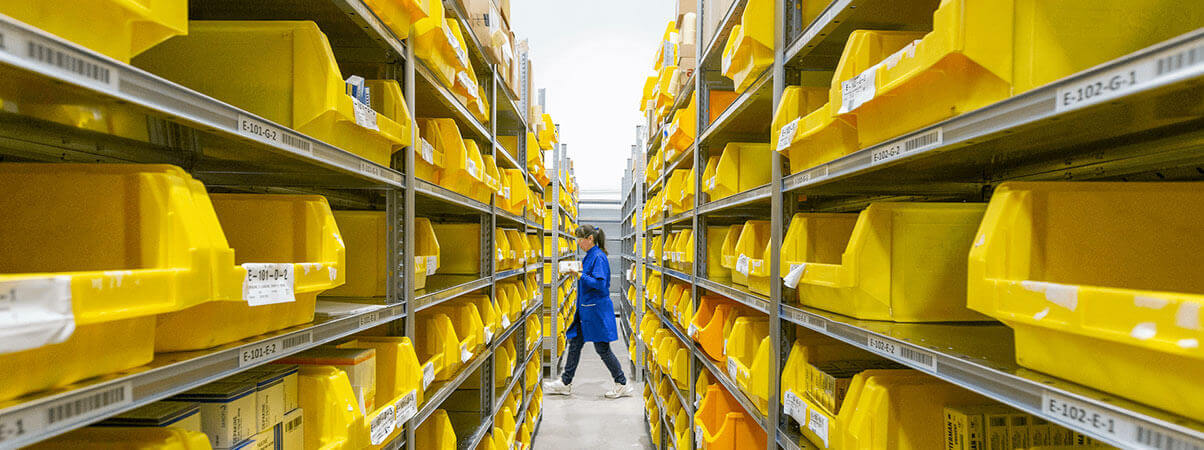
(1028, 395)
(754, 301)
(428, 300)
(131, 391)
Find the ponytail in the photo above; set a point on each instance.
(584, 231)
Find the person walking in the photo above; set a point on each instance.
(594, 320)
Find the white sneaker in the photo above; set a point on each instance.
(557, 388)
(620, 390)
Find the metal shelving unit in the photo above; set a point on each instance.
(562, 172)
(186, 124)
(1035, 135)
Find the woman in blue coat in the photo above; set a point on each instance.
(595, 317)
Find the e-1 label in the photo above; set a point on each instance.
(1079, 415)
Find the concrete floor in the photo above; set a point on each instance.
(587, 420)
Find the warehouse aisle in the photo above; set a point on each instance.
(587, 419)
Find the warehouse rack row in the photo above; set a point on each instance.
(82, 100)
(742, 165)
(561, 222)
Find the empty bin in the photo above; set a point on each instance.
(463, 258)
(742, 166)
(752, 259)
(117, 29)
(436, 432)
(748, 334)
(398, 373)
(707, 326)
(797, 102)
(268, 233)
(904, 262)
(87, 260)
(438, 347)
(291, 79)
(467, 322)
(1100, 282)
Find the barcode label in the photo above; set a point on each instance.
(1155, 439)
(365, 116)
(265, 132)
(919, 357)
(1098, 421)
(103, 400)
(369, 318)
(381, 426)
(793, 406)
(932, 138)
(817, 322)
(293, 424)
(74, 65)
(298, 340)
(1127, 78)
(369, 168)
(428, 374)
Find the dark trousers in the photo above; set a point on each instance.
(603, 349)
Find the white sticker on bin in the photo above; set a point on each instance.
(692, 330)
(794, 407)
(471, 166)
(733, 369)
(268, 283)
(427, 150)
(505, 322)
(382, 425)
(432, 265)
(786, 136)
(860, 89)
(742, 264)
(428, 374)
(796, 273)
(465, 353)
(818, 424)
(466, 80)
(365, 116)
(406, 408)
(35, 312)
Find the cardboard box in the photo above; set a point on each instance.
(184, 415)
(712, 16)
(291, 435)
(288, 372)
(1018, 429)
(504, 7)
(358, 363)
(269, 396)
(227, 411)
(265, 440)
(682, 7)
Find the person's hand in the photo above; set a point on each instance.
(574, 270)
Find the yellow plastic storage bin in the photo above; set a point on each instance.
(462, 164)
(897, 409)
(1099, 282)
(119, 29)
(436, 432)
(428, 157)
(724, 424)
(292, 232)
(811, 348)
(437, 47)
(742, 166)
(903, 263)
(492, 180)
(814, 238)
(464, 258)
(141, 438)
(330, 411)
(140, 240)
(438, 347)
(731, 254)
(291, 79)
(789, 127)
(503, 255)
(752, 256)
(467, 322)
(682, 129)
(674, 186)
(519, 250)
(399, 15)
(398, 373)
(749, 335)
(749, 49)
(982, 52)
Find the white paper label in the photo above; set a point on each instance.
(268, 283)
(506, 192)
(427, 150)
(711, 183)
(465, 353)
(796, 273)
(732, 368)
(467, 82)
(818, 424)
(857, 90)
(428, 374)
(698, 437)
(264, 132)
(95, 403)
(365, 116)
(68, 62)
(35, 312)
(1082, 416)
(693, 330)
(432, 265)
(488, 336)
(742, 264)
(794, 407)
(382, 425)
(471, 166)
(406, 408)
(1114, 83)
(455, 45)
(505, 322)
(918, 357)
(786, 137)
(932, 138)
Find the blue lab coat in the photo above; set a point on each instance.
(595, 317)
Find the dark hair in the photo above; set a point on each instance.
(584, 231)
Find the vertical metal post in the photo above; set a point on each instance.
(775, 265)
(407, 259)
(697, 223)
